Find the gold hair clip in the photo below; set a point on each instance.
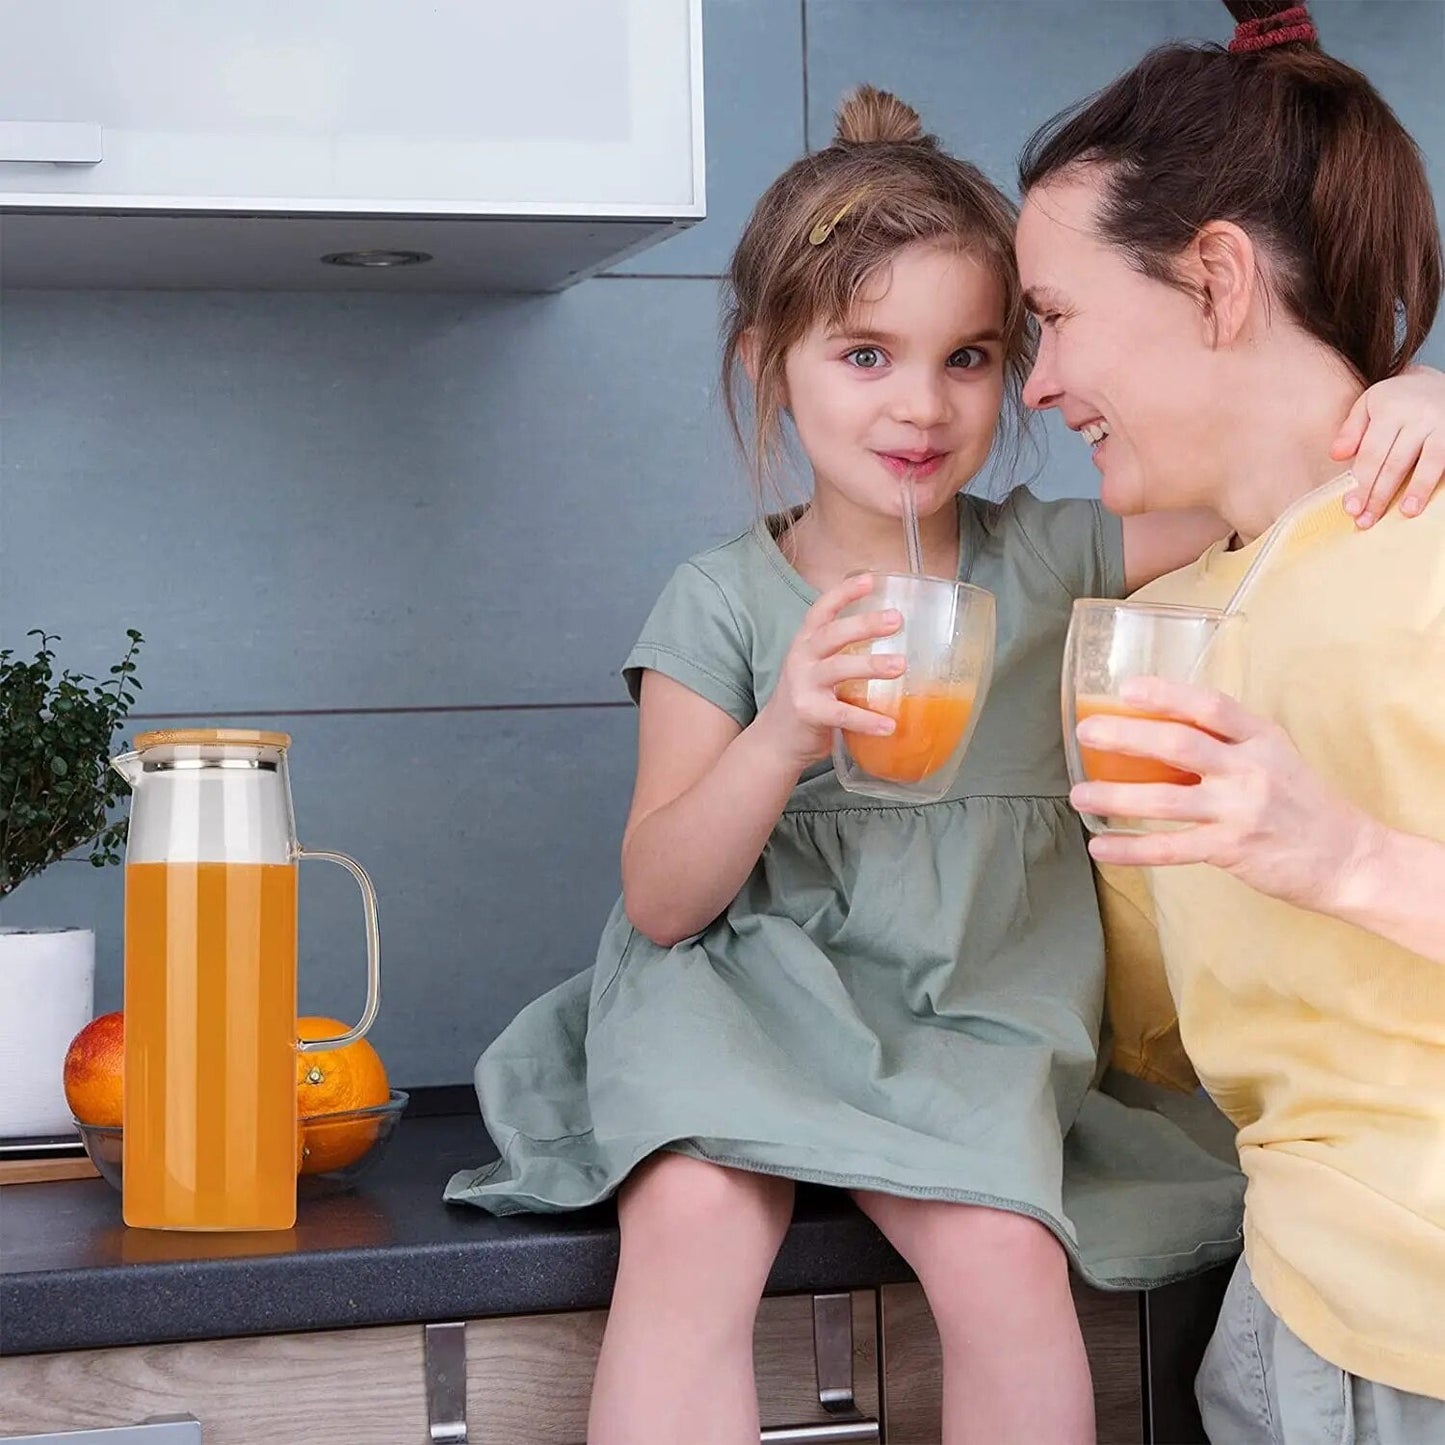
(825, 228)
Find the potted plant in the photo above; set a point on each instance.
(57, 790)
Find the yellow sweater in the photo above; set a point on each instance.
(1324, 1044)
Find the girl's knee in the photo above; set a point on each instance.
(1014, 1239)
(982, 1255)
(672, 1195)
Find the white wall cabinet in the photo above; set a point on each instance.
(522, 143)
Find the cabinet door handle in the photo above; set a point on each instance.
(446, 1383)
(52, 142)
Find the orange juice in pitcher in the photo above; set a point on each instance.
(210, 949)
(210, 1131)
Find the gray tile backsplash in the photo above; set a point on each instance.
(306, 502)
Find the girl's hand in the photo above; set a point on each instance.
(1258, 811)
(800, 716)
(1394, 435)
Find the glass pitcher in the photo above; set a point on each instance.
(210, 1138)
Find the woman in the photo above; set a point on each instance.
(1224, 249)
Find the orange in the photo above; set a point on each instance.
(93, 1065)
(334, 1081)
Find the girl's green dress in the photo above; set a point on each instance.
(901, 998)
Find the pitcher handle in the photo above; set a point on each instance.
(373, 952)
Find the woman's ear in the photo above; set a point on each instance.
(1224, 265)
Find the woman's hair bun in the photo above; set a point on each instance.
(1245, 10)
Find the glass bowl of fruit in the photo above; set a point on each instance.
(337, 1149)
(345, 1107)
(333, 1150)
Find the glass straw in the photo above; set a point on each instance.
(910, 526)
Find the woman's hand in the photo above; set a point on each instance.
(1394, 437)
(799, 718)
(1258, 811)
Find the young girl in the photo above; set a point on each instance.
(800, 983)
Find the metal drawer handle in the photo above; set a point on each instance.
(835, 1432)
(833, 1352)
(446, 1383)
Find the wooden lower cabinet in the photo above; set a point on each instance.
(528, 1380)
(913, 1366)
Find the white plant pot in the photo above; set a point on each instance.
(47, 995)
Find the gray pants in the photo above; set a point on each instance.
(1261, 1385)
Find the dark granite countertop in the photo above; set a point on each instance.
(72, 1276)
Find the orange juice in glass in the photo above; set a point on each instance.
(1099, 765)
(947, 642)
(1112, 643)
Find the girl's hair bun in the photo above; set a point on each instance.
(869, 116)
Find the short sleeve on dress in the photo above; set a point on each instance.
(695, 637)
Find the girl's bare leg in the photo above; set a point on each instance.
(1014, 1368)
(676, 1365)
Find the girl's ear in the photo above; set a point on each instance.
(748, 355)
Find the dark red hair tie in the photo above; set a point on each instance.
(1284, 27)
